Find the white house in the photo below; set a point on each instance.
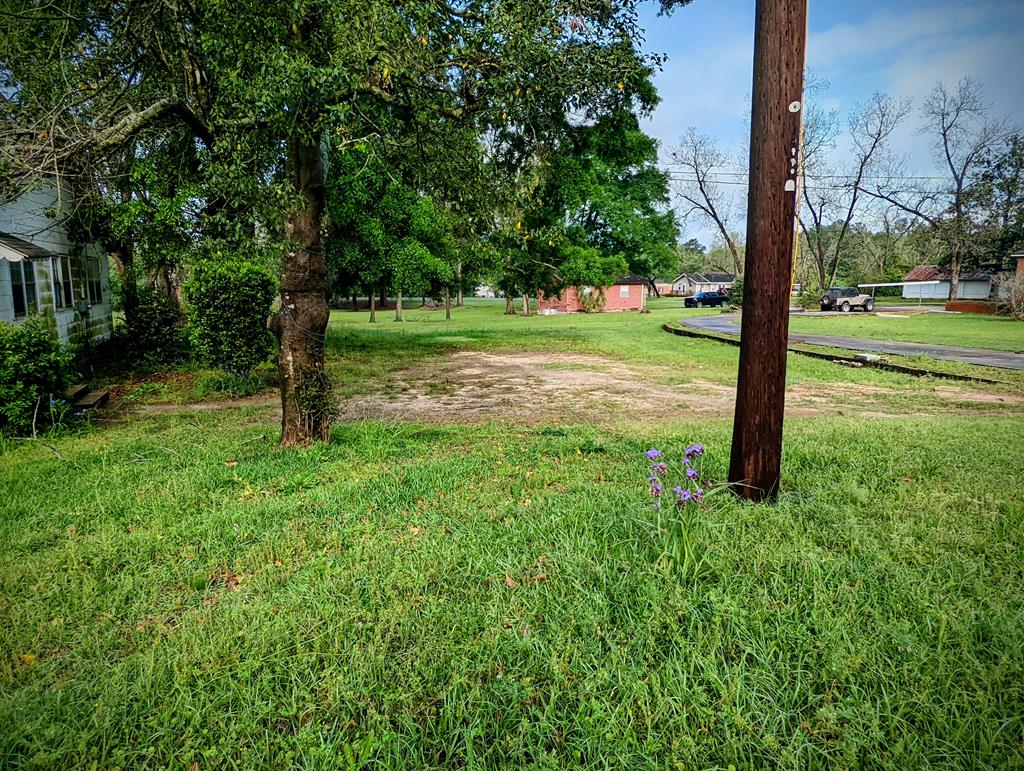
(43, 272)
(974, 285)
(687, 284)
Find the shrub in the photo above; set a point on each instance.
(152, 332)
(808, 300)
(1010, 295)
(34, 372)
(736, 292)
(228, 305)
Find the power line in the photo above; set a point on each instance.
(676, 177)
(820, 176)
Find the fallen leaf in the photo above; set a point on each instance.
(231, 463)
(28, 658)
(414, 530)
(539, 577)
(509, 582)
(277, 563)
(526, 502)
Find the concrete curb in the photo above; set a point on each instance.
(677, 329)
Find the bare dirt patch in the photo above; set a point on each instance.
(535, 388)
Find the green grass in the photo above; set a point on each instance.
(177, 590)
(966, 330)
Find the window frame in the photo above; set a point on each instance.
(93, 284)
(63, 293)
(29, 306)
(624, 291)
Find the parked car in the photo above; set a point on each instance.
(709, 299)
(845, 299)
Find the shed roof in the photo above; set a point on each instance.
(17, 249)
(932, 273)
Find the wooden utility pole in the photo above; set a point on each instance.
(779, 40)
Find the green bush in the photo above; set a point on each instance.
(736, 292)
(228, 304)
(152, 333)
(34, 372)
(808, 299)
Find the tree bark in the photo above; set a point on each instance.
(300, 324)
(373, 305)
(779, 42)
(447, 304)
(526, 305)
(383, 297)
(398, 305)
(954, 274)
(510, 306)
(458, 283)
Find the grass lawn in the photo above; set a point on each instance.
(485, 588)
(965, 330)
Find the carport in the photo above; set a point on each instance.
(873, 287)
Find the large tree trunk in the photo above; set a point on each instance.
(447, 305)
(510, 305)
(300, 324)
(398, 305)
(526, 305)
(373, 305)
(458, 284)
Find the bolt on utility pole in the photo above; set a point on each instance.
(779, 41)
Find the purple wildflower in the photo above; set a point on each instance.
(685, 496)
(659, 468)
(686, 461)
(694, 449)
(698, 494)
(691, 473)
(652, 478)
(656, 489)
(652, 454)
(677, 490)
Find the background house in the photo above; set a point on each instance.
(628, 293)
(663, 287)
(42, 271)
(974, 285)
(687, 284)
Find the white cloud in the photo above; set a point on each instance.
(889, 32)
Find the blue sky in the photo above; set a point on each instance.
(860, 47)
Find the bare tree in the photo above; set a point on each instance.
(707, 197)
(831, 196)
(962, 137)
(883, 245)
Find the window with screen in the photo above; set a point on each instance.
(23, 288)
(93, 279)
(61, 267)
(624, 291)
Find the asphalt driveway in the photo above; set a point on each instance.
(727, 324)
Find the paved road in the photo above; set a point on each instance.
(726, 324)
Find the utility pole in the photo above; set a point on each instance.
(779, 41)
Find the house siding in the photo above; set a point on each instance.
(966, 290)
(568, 301)
(27, 219)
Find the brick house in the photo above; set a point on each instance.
(628, 293)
